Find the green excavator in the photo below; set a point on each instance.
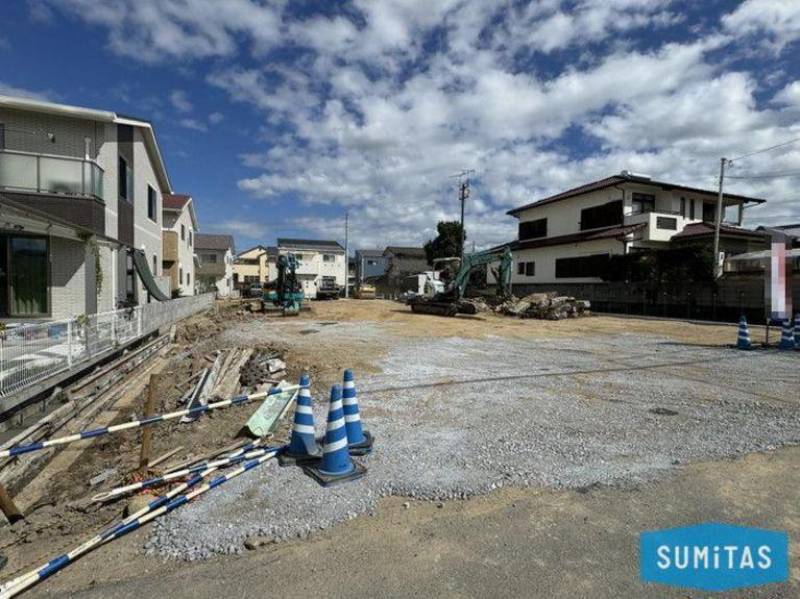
(451, 301)
(286, 293)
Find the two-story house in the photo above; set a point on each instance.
(255, 266)
(178, 230)
(370, 264)
(214, 272)
(81, 199)
(319, 261)
(568, 237)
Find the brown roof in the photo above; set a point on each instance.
(175, 201)
(701, 229)
(206, 241)
(607, 233)
(618, 179)
(408, 252)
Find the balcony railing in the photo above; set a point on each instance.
(44, 173)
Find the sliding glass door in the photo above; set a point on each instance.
(24, 276)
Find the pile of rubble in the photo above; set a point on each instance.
(547, 306)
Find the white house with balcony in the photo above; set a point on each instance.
(81, 203)
(320, 262)
(216, 255)
(568, 237)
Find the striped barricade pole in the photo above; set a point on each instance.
(154, 509)
(157, 480)
(105, 430)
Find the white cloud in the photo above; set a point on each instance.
(365, 116)
(778, 20)
(11, 90)
(193, 124)
(215, 118)
(250, 229)
(180, 100)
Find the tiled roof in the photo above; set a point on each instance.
(409, 252)
(175, 201)
(700, 229)
(206, 241)
(617, 180)
(315, 244)
(614, 232)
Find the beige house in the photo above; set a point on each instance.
(255, 266)
(178, 230)
(568, 237)
(214, 272)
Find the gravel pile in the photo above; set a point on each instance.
(566, 413)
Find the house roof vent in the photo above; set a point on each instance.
(631, 175)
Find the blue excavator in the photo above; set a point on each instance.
(286, 292)
(451, 301)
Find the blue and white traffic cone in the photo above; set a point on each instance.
(787, 339)
(797, 330)
(358, 440)
(336, 465)
(743, 340)
(302, 445)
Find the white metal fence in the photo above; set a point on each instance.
(30, 353)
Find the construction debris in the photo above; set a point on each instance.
(546, 306)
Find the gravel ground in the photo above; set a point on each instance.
(457, 417)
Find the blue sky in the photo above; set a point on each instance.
(278, 117)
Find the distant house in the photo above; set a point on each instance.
(81, 191)
(402, 261)
(178, 229)
(569, 237)
(319, 261)
(215, 269)
(370, 264)
(255, 266)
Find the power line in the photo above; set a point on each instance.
(766, 175)
(753, 153)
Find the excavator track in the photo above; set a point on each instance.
(437, 308)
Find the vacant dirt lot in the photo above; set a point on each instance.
(515, 456)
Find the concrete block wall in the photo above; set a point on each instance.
(68, 277)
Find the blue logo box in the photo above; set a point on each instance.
(714, 557)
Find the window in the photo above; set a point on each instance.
(667, 223)
(2, 136)
(533, 229)
(190, 239)
(520, 268)
(152, 204)
(691, 209)
(328, 257)
(180, 274)
(130, 279)
(683, 207)
(581, 266)
(209, 258)
(709, 212)
(125, 180)
(188, 279)
(604, 215)
(530, 269)
(183, 233)
(24, 276)
(643, 202)
(155, 265)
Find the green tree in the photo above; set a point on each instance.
(447, 242)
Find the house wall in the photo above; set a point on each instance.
(259, 270)
(185, 252)
(313, 267)
(146, 232)
(26, 131)
(545, 259)
(68, 278)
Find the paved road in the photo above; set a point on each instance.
(517, 543)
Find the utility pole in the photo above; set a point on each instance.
(463, 194)
(346, 255)
(718, 221)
